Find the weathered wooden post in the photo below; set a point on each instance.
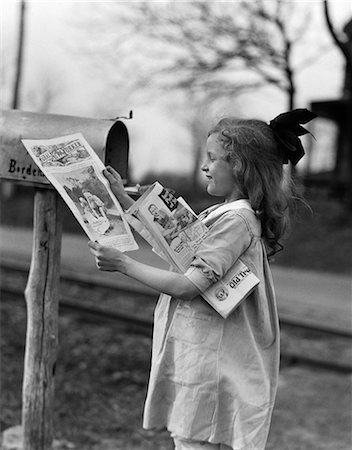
(42, 292)
(110, 141)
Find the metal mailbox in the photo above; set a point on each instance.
(108, 138)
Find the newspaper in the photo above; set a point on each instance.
(176, 233)
(75, 170)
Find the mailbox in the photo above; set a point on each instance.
(108, 138)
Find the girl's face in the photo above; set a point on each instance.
(218, 171)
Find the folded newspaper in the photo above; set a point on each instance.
(175, 231)
(76, 172)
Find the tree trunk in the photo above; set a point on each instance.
(42, 323)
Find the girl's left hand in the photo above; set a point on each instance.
(107, 258)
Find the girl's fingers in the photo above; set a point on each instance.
(106, 258)
(111, 172)
(94, 245)
(108, 175)
(96, 249)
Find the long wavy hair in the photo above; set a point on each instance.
(257, 165)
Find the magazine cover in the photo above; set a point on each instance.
(175, 228)
(75, 170)
(169, 225)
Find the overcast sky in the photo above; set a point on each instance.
(49, 30)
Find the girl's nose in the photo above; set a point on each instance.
(204, 167)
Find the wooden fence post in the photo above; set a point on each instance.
(42, 323)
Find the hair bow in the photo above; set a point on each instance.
(287, 129)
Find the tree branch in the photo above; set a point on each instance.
(340, 44)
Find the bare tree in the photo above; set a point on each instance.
(343, 44)
(272, 44)
(198, 46)
(224, 49)
(217, 50)
(205, 50)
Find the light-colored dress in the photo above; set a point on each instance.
(215, 379)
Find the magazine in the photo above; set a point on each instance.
(76, 172)
(176, 233)
(174, 228)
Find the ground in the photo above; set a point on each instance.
(101, 380)
(102, 370)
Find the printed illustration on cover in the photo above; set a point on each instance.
(75, 170)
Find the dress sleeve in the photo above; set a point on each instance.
(228, 238)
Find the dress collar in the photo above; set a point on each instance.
(217, 210)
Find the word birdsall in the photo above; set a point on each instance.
(239, 277)
(169, 200)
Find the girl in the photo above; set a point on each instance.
(213, 381)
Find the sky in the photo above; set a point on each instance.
(156, 139)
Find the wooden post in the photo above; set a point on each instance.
(42, 323)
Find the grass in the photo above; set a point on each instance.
(101, 381)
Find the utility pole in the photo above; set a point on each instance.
(19, 59)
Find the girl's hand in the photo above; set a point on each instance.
(108, 258)
(116, 183)
(172, 283)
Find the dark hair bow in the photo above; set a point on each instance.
(287, 129)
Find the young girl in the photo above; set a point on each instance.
(213, 381)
